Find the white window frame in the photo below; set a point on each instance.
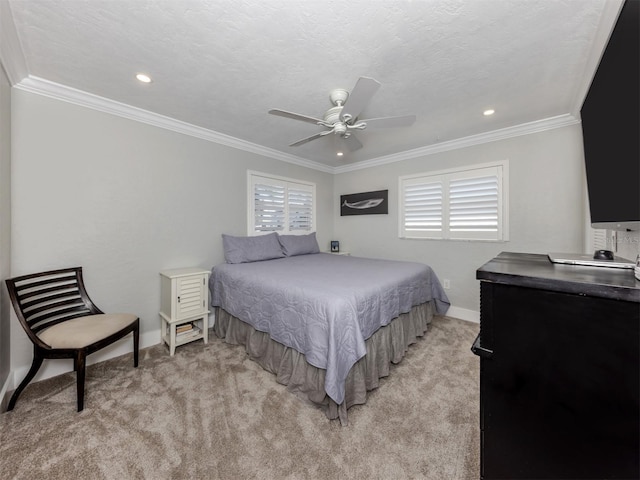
(444, 178)
(287, 184)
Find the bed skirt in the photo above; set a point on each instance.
(388, 345)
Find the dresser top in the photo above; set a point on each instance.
(537, 271)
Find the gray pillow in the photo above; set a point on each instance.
(299, 244)
(251, 249)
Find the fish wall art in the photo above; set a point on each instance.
(366, 203)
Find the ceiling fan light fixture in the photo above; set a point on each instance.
(340, 129)
(332, 115)
(342, 119)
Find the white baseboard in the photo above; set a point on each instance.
(52, 368)
(463, 314)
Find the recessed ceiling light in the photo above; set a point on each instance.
(143, 78)
(486, 113)
(339, 154)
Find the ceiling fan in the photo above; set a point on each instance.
(342, 119)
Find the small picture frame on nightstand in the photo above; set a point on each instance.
(335, 246)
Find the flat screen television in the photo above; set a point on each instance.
(611, 131)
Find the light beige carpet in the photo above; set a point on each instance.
(211, 413)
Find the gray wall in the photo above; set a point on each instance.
(5, 230)
(126, 200)
(546, 208)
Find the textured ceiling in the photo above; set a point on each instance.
(221, 65)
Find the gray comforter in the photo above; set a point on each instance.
(322, 305)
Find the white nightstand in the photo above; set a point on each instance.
(184, 302)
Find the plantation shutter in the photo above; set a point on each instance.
(300, 201)
(457, 204)
(599, 238)
(474, 207)
(269, 207)
(280, 205)
(422, 208)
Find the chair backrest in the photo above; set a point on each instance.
(48, 298)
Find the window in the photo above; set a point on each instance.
(464, 204)
(599, 239)
(278, 204)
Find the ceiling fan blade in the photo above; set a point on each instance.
(295, 116)
(352, 143)
(308, 139)
(359, 98)
(386, 122)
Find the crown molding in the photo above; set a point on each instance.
(487, 137)
(11, 55)
(57, 91)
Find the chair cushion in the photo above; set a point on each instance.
(83, 331)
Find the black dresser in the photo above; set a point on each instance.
(559, 370)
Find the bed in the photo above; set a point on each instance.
(326, 325)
